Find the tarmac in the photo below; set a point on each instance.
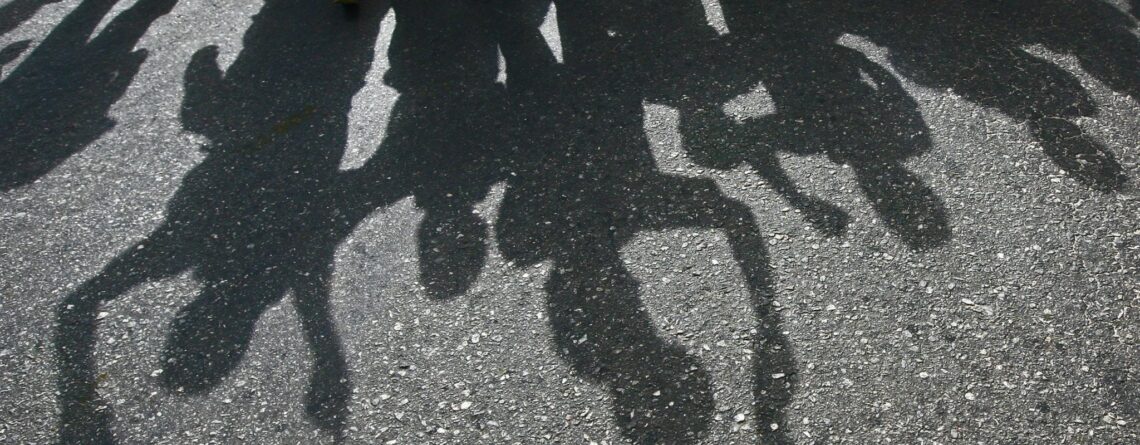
(586, 222)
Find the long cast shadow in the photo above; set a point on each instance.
(56, 101)
(977, 48)
(262, 215)
(586, 186)
(444, 143)
(254, 221)
(828, 99)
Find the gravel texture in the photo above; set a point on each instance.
(595, 222)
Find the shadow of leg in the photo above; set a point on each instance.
(907, 206)
(824, 216)
(714, 141)
(697, 203)
(710, 139)
(84, 417)
(773, 365)
(452, 249)
(1086, 160)
(329, 386)
(210, 335)
(660, 393)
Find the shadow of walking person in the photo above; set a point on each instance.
(56, 101)
(588, 185)
(257, 219)
(977, 49)
(445, 138)
(828, 99)
(1100, 36)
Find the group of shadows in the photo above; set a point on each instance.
(261, 216)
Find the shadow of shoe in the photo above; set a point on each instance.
(908, 206)
(825, 217)
(13, 51)
(207, 341)
(671, 403)
(1085, 159)
(327, 399)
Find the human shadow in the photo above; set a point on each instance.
(56, 101)
(255, 220)
(585, 186)
(262, 215)
(1100, 36)
(445, 139)
(826, 98)
(978, 49)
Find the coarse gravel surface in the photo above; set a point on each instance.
(592, 222)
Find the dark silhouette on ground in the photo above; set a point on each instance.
(587, 185)
(829, 99)
(254, 221)
(263, 214)
(56, 101)
(1099, 35)
(976, 48)
(445, 136)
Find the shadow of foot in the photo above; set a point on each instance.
(327, 399)
(671, 402)
(207, 341)
(1086, 160)
(825, 217)
(908, 206)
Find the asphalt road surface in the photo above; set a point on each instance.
(592, 222)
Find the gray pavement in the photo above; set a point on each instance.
(593, 222)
